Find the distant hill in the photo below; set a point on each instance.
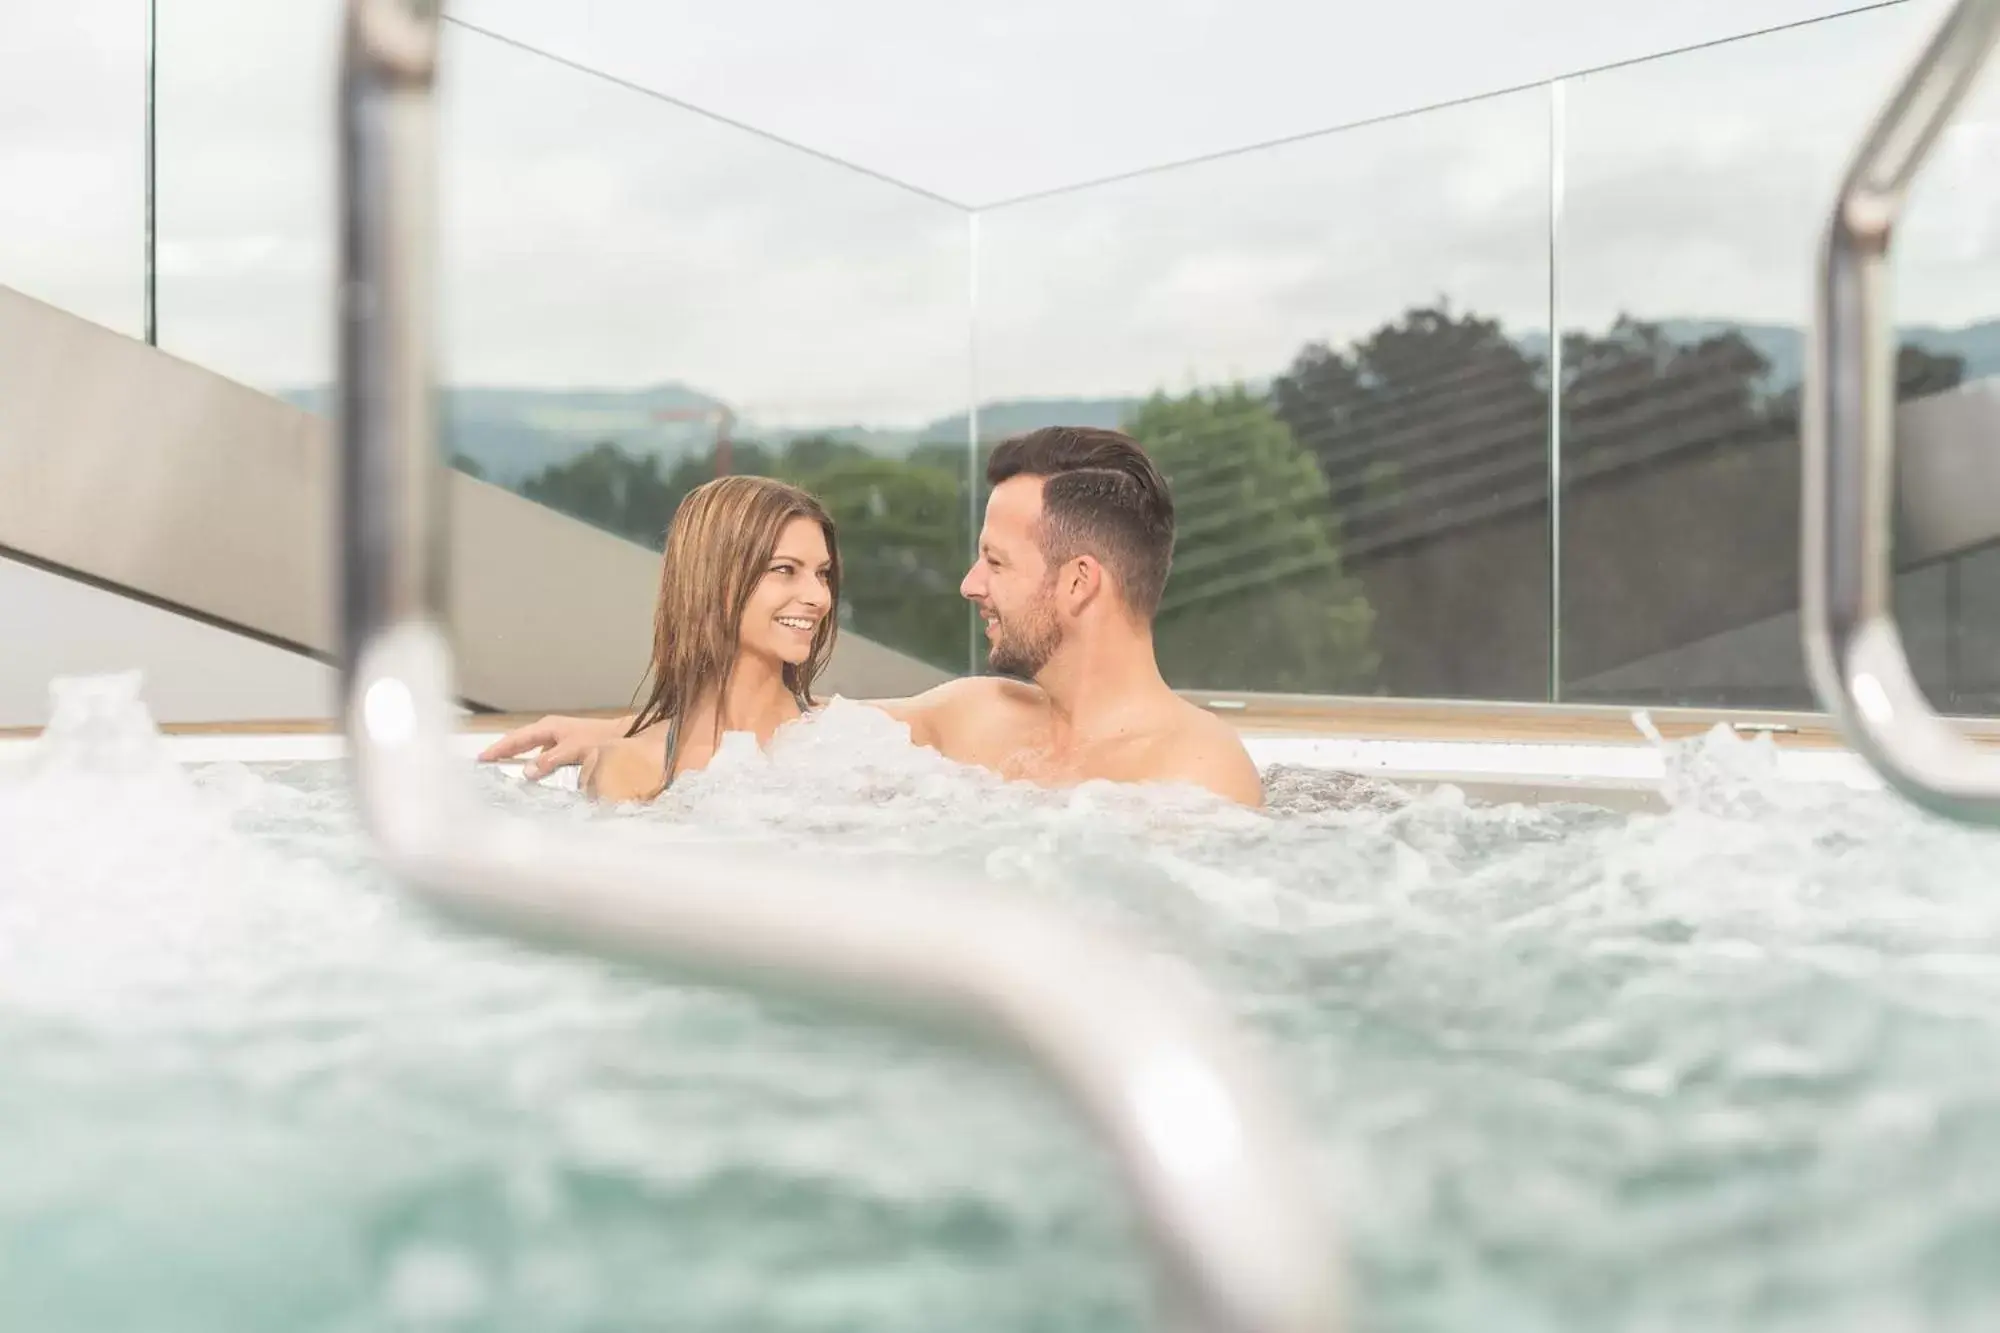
(1979, 344)
(513, 434)
(997, 420)
(1784, 346)
(1011, 416)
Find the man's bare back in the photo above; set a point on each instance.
(1013, 729)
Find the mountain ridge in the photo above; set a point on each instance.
(512, 433)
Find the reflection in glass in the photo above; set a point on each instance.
(638, 299)
(635, 298)
(245, 196)
(1971, 619)
(1946, 275)
(1339, 347)
(1333, 347)
(1695, 193)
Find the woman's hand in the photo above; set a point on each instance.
(587, 770)
(561, 741)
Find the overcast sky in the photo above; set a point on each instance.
(598, 236)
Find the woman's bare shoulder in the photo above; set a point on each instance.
(631, 769)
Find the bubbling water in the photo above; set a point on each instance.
(1732, 1066)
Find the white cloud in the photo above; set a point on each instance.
(986, 102)
(596, 235)
(72, 157)
(1322, 239)
(1701, 184)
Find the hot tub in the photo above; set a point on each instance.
(1704, 1033)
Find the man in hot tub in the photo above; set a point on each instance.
(1073, 557)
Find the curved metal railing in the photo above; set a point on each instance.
(1220, 1173)
(1853, 647)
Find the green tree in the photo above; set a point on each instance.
(808, 455)
(903, 526)
(632, 495)
(1921, 372)
(1450, 400)
(1382, 484)
(608, 488)
(1631, 395)
(1678, 517)
(1258, 598)
(904, 538)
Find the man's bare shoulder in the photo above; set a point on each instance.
(1203, 749)
(976, 691)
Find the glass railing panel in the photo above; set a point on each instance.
(634, 297)
(246, 171)
(73, 158)
(1695, 193)
(90, 443)
(1945, 268)
(1335, 349)
(638, 298)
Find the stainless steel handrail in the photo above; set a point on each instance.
(1853, 647)
(1221, 1175)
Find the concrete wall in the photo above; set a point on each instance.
(1950, 618)
(56, 626)
(139, 471)
(1680, 576)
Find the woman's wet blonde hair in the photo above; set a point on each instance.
(719, 544)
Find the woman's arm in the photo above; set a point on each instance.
(562, 741)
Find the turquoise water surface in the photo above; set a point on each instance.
(1732, 1067)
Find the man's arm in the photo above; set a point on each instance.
(918, 713)
(935, 717)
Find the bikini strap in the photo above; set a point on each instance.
(671, 753)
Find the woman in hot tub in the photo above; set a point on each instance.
(1073, 556)
(767, 555)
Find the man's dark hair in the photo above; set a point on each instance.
(1101, 496)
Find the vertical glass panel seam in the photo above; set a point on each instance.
(150, 301)
(1556, 149)
(972, 470)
